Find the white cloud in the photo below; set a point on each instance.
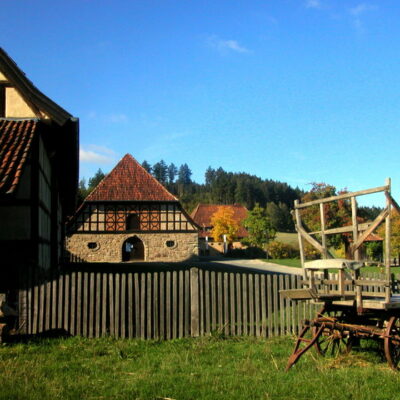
(313, 4)
(116, 118)
(97, 154)
(361, 9)
(223, 45)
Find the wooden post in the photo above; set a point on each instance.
(387, 245)
(356, 253)
(194, 302)
(301, 240)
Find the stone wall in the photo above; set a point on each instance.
(109, 246)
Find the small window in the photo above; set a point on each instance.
(170, 243)
(132, 222)
(92, 245)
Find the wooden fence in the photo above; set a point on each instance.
(163, 304)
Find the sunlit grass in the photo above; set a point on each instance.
(201, 368)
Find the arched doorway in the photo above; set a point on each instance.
(133, 249)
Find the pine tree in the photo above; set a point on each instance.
(146, 166)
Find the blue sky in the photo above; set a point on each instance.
(298, 91)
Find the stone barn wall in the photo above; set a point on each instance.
(108, 246)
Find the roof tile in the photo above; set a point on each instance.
(129, 181)
(15, 142)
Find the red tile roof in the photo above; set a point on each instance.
(129, 181)
(15, 142)
(203, 212)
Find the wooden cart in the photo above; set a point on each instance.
(350, 309)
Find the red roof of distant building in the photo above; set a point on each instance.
(129, 181)
(15, 143)
(203, 212)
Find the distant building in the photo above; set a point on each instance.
(202, 215)
(130, 216)
(38, 179)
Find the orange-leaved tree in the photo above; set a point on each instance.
(395, 233)
(223, 223)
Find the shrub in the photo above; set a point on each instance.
(278, 250)
(249, 252)
(311, 253)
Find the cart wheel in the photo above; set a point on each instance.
(392, 342)
(333, 341)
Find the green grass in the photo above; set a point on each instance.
(202, 368)
(288, 238)
(289, 262)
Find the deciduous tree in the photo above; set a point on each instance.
(259, 227)
(223, 223)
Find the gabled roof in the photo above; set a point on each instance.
(15, 143)
(40, 103)
(203, 212)
(129, 181)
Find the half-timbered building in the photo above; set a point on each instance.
(130, 216)
(38, 179)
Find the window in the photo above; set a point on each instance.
(132, 222)
(93, 245)
(170, 243)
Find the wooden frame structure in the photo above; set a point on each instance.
(349, 310)
(348, 269)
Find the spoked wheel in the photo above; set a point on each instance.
(392, 342)
(333, 342)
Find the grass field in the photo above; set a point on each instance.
(202, 368)
(288, 238)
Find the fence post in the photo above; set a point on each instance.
(194, 302)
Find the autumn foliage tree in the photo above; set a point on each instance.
(223, 223)
(394, 235)
(337, 213)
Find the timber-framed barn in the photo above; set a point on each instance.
(38, 180)
(131, 217)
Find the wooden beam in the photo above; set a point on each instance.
(343, 229)
(392, 201)
(356, 253)
(378, 220)
(343, 196)
(311, 240)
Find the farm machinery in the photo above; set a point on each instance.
(352, 306)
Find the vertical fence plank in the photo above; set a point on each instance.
(123, 300)
(111, 303)
(168, 304)
(60, 309)
(220, 301)
(207, 303)
(194, 301)
(226, 303)
(239, 308)
(104, 305)
(156, 306)
(30, 286)
(47, 324)
(66, 301)
(85, 305)
(91, 305)
(162, 305)
(269, 306)
(282, 310)
(98, 305)
(201, 302)
(251, 304)
(263, 306)
(117, 304)
(130, 305)
(137, 304)
(245, 304)
(257, 304)
(143, 306)
(232, 291)
(181, 314)
(213, 301)
(174, 304)
(288, 307)
(73, 303)
(276, 306)
(149, 299)
(79, 303)
(187, 303)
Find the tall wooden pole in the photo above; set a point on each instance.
(387, 244)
